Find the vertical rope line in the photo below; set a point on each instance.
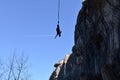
(58, 10)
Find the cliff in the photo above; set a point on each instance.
(96, 51)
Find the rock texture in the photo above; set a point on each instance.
(96, 51)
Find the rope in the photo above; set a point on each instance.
(58, 10)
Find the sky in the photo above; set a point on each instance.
(30, 26)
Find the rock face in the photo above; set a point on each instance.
(59, 66)
(96, 51)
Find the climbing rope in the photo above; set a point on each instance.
(58, 11)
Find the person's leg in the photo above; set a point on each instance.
(56, 36)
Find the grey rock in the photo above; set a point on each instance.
(108, 73)
(96, 43)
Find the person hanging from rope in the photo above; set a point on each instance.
(58, 31)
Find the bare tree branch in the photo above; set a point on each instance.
(17, 68)
(11, 68)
